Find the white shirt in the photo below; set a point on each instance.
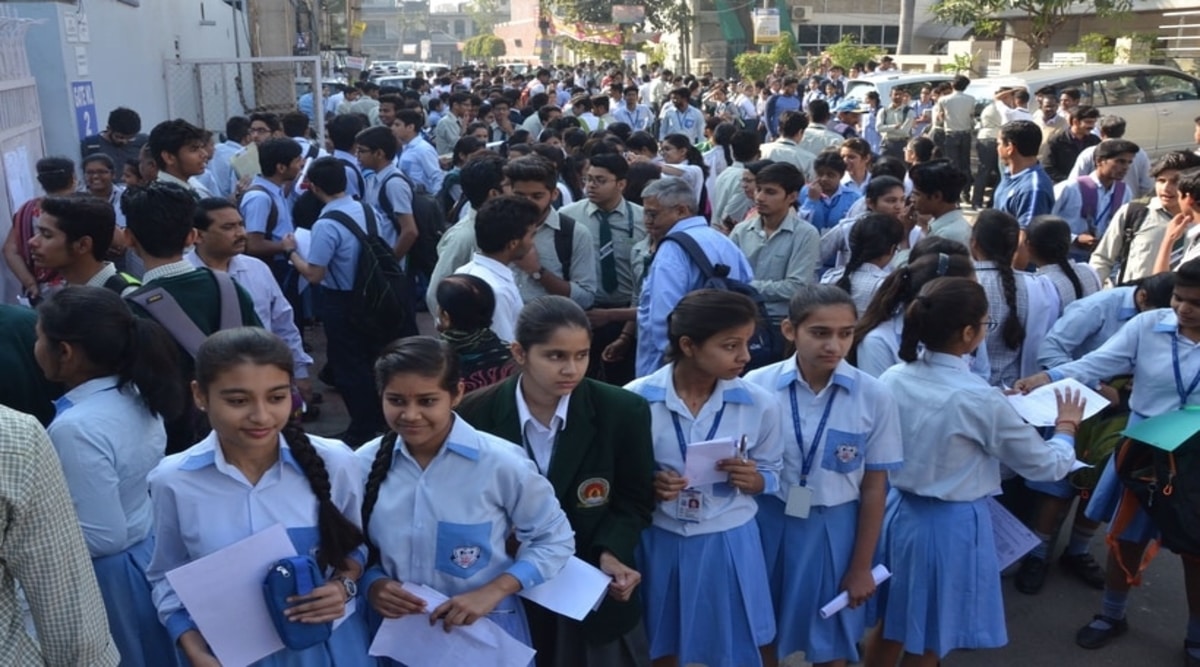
(508, 296)
(862, 432)
(744, 409)
(445, 526)
(863, 283)
(539, 437)
(976, 430)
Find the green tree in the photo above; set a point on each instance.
(785, 51)
(483, 47)
(1045, 17)
(848, 51)
(485, 14)
(753, 65)
(668, 16)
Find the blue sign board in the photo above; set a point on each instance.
(84, 98)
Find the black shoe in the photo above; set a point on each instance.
(1032, 575)
(326, 376)
(1188, 659)
(1085, 567)
(1093, 638)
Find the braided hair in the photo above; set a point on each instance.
(874, 236)
(1049, 240)
(426, 356)
(943, 308)
(338, 536)
(994, 239)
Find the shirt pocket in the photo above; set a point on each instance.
(843, 451)
(463, 549)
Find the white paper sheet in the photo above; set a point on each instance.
(575, 592)
(413, 641)
(223, 593)
(700, 469)
(879, 573)
(1013, 539)
(1040, 408)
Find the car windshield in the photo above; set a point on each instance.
(857, 90)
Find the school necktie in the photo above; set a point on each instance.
(608, 256)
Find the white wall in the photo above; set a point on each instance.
(124, 56)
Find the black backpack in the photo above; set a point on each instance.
(431, 224)
(766, 345)
(1167, 486)
(1131, 223)
(381, 308)
(306, 209)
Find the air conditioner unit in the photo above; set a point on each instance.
(802, 13)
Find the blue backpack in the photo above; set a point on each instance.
(766, 345)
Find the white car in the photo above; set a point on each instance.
(884, 82)
(1159, 104)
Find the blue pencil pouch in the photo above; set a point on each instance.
(287, 578)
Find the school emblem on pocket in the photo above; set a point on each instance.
(465, 557)
(847, 453)
(593, 492)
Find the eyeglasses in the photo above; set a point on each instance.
(597, 181)
(990, 324)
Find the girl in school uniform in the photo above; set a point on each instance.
(257, 469)
(945, 588)
(827, 514)
(884, 195)
(1147, 346)
(592, 441)
(442, 498)
(874, 241)
(878, 333)
(108, 433)
(1024, 306)
(1048, 240)
(707, 596)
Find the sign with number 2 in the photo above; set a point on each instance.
(84, 98)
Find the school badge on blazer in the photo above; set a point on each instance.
(593, 492)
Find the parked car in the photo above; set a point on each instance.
(1159, 104)
(884, 82)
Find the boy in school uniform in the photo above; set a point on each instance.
(265, 205)
(1090, 201)
(827, 201)
(180, 152)
(504, 229)
(72, 237)
(387, 189)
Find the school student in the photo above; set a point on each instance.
(944, 594)
(874, 241)
(707, 597)
(1146, 346)
(1048, 242)
(936, 189)
(109, 434)
(72, 237)
(824, 521)
(602, 470)
(387, 189)
(256, 469)
(442, 498)
(884, 194)
(827, 200)
(464, 319)
(1023, 307)
(880, 329)
(780, 246)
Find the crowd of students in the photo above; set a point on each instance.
(605, 295)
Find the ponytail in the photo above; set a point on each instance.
(996, 235)
(379, 471)
(1049, 240)
(873, 236)
(146, 365)
(944, 307)
(902, 286)
(915, 319)
(339, 537)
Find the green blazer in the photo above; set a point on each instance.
(603, 474)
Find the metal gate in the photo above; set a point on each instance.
(207, 92)
(21, 141)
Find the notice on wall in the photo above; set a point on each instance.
(81, 61)
(18, 177)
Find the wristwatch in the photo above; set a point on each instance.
(537, 275)
(349, 585)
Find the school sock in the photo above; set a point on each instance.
(1042, 550)
(1081, 540)
(1193, 635)
(1113, 606)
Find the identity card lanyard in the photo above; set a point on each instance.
(711, 432)
(689, 505)
(809, 457)
(1184, 394)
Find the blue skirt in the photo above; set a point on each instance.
(944, 593)
(129, 605)
(770, 519)
(707, 598)
(815, 557)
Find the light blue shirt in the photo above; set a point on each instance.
(419, 160)
(1086, 324)
(1138, 178)
(976, 430)
(862, 433)
(745, 409)
(335, 247)
(222, 169)
(256, 205)
(398, 193)
(639, 118)
(446, 526)
(353, 173)
(202, 504)
(672, 274)
(827, 212)
(879, 350)
(689, 122)
(107, 442)
(1142, 347)
(1069, 206)
(272, 307)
